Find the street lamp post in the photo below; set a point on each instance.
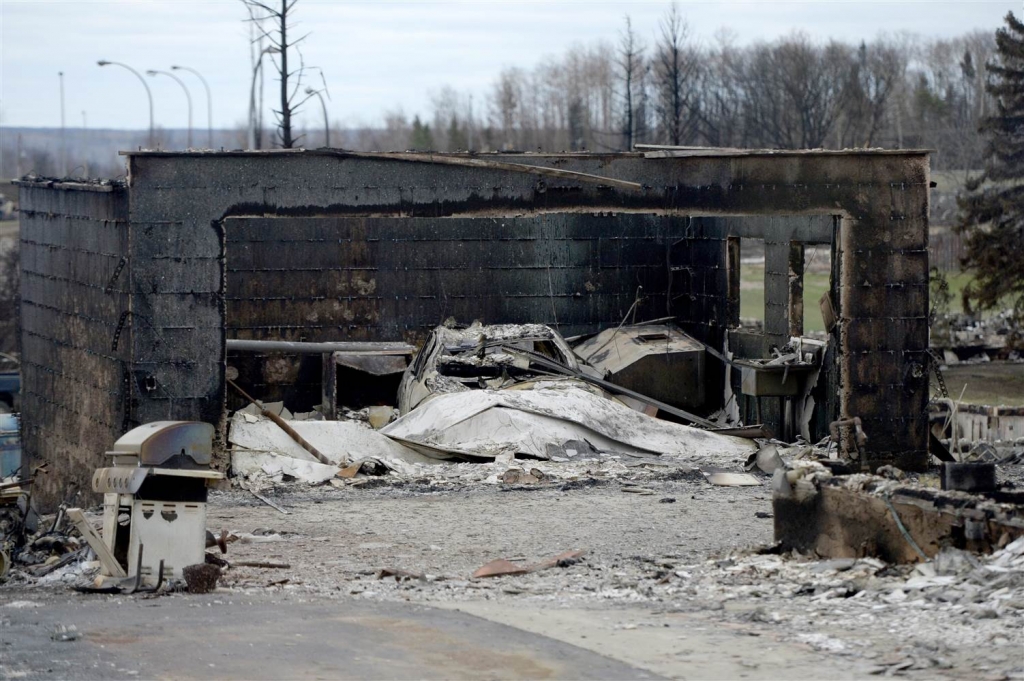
(188, 98)
(85, 130)
(142, 80)
(63, 133)
(209, 103)
(252, 94)
(327, 128)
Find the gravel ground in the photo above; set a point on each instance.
(339, 535)
(650, 561)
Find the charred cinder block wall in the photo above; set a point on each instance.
(394, 278)
(883, 301)
(881, 197)
(183, 204)
(75, 338)
(700, 282)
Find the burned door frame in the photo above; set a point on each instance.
(785, 239)
(710, 258)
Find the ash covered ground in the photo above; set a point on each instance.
(673, 581)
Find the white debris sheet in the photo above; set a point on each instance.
(337, 440)
(479, 425)
(248, 464)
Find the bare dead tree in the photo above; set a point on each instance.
(506, 102)
(813, 80)
(876, 72)
(794, 91)
(719, 97)
(885, 67)
(673, 68)
(630, 63)
(281, 44)
(642, 112)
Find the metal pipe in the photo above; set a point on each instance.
(300, 348)
(611, 387)
(283, 425)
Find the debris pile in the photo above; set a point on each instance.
(263, 453)
(972, 339)
(886, 516)
(494, 393)
(38, 550)
(546, 419)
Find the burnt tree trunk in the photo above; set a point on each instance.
(286, 109)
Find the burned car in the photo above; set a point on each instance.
(479, 357)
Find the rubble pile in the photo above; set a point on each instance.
(972, 339)
(43, 551)
(494, 416)
(498, 393)
(930, 612)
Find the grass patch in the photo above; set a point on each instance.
(815, 286)
(957, 283)
(994, 383)
(752, 295)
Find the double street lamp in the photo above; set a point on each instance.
(209, 103)
(188, 98)
(327, 128)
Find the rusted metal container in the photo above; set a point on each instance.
(657, 360)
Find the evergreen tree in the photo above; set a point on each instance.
(457, 137)
(420, 139)
(992, 209)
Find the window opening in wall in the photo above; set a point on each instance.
(817, 282)
(751, 289)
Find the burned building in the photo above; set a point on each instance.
(130, 290)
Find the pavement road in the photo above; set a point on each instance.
(235, 636)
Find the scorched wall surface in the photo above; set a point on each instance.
(76, 335)
(323, 279)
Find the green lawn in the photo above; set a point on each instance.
(815, 285)
(957, 282)
(993, 383)
(752, 295)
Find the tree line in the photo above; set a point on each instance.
(895, 91)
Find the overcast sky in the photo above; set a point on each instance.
(375, 56)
